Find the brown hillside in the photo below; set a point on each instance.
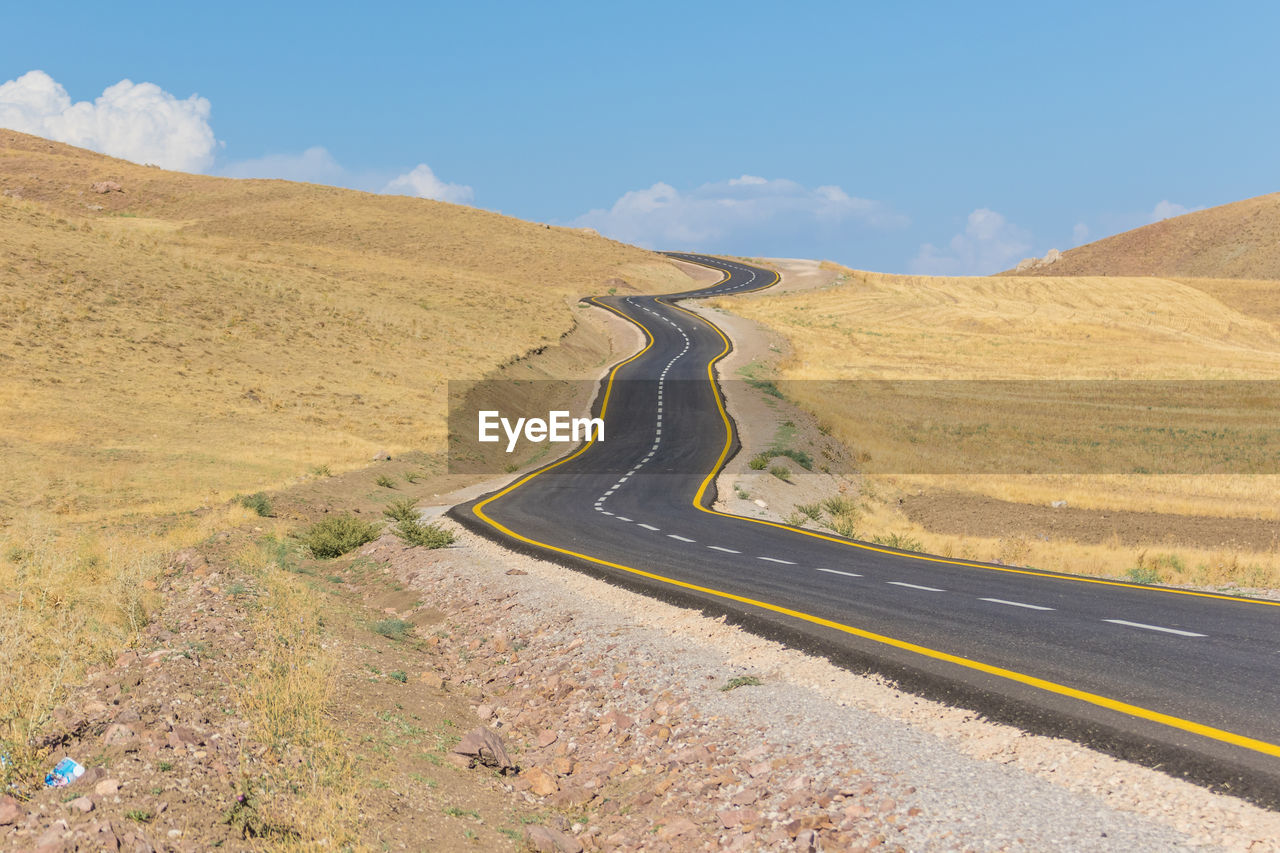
(189, 336)
(1238, 240)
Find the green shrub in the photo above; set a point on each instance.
(758, 462)
(839, 505)
(398, 675)
(814, 511)
(782, 472)
(385, 481)
(337, 535)
(1143, 574)
(418, 535)
(844, 525)
(401, 510)
(322, 471)
(412, 476)
(741, 681)
(258, 502)
(801, 458)
(901, 541)
(766, 385)
(393, 629)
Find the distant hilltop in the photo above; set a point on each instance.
(1238, 240)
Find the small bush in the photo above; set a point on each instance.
(322, 471)
(385, 481)
(741, 681)
(782, 472)
(839, 505)
(418, 535)
(814, 511)
(393, 629)
(901, 541)
(337, 535)
(412, 476)
(258, 502)
(758, 462)
(398, 675)
(401, 510)
(800, 457)
(1143, 574)
(768, 386)
(844, 525)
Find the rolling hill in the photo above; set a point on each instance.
(1239, 240)
(178, 338)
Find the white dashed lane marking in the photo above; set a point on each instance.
(726, 550)
(1015, 604)
(1154, 628)
(776, 560)
(838, 572)
(647, 526)
(915, 586)
(680, 538)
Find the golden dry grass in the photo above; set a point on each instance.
(286, 699)
(875, 326)
(203, 336)
(167, 347)
(71, 600)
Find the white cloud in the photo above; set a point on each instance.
(135, 121)
(1079, 234)
(315, 165)
(1167, 210)
(988, 244)
(423, 183)
(738, 210)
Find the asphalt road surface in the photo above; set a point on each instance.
(1185, 681)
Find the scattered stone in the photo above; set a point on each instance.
(103, 187)
(546, 839)
(516, 572)
(676, 828)
(84, 805)
(382, 456)
(486, 747)
(541, 782)
(107, 788)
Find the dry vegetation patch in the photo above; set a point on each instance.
(871, 326)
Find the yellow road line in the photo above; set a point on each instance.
(1108, 703)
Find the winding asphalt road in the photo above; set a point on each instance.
(1185, 681)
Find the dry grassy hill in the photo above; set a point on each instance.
(188, 337)
(890, 327)
(180, 338)
(1238, 240)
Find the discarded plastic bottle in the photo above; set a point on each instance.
(64, 773)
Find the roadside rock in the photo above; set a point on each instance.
(544, 839)
(103, 187)
(484, 746)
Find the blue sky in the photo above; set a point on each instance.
(928, 137)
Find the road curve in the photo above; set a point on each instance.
(1188, 682)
